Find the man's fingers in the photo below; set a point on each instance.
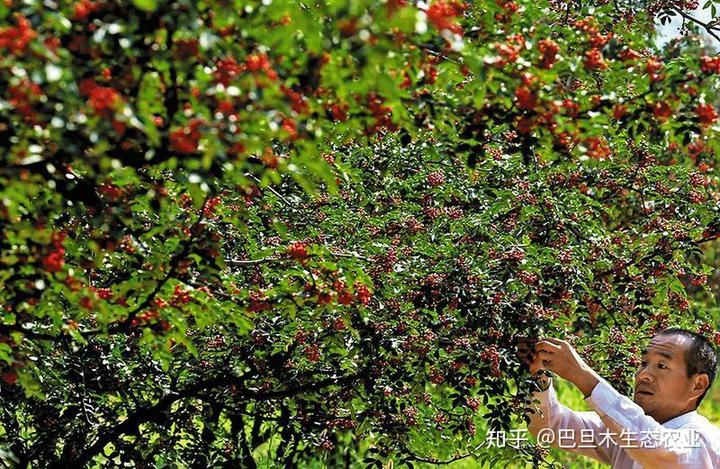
(558, 342)
(544, 356)
(526, 356)
(548, 349)
(547, 346)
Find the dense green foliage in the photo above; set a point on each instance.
(317, 230)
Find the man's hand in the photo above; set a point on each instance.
(561, 358)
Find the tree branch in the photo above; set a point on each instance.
(133, 421)
(709, 27)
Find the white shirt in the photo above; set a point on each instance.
(619, 433)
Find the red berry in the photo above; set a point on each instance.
(9, 377)
(706, 114)
(312, 353)
(363, 293)
(436, 178)
(443, 13)
(594, 60)
(526, 99)
(549, 49)
(662, 111)
(710, 64)
(298, 250)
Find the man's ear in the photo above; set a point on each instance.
(700, 384)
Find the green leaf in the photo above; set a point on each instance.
(150, 102)
(146, 5)
(6, 353)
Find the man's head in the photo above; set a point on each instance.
(677, 369)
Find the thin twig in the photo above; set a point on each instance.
(252, 261)
(261, 260)
(280, 196)
(708, 26)
(439, 462)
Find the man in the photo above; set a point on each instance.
(660, 429)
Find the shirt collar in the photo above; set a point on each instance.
(681, 420)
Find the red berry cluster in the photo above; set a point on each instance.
(110, 191)
(528, 278)
(706, 114)
(16, 38)
(679, 301)
(363, 293)
(325, 444)
(436, 178)
(696, 197)
(706, 329)
(86, 303)
(55, 259)
(653, 68)
(9, 377)
(510, 50)
(312, 352)
(297, 100)
(594, 60)
(85, 8)
(662, 111)
(382, 114)
(697, 179)
(491, 356)
(298, 250)
(343, 423)
(102, 99)
(549, 50)
(145, 317)
(260, 63)
(597, 147)
(258, 301)
(526, 99)
(411, 416)
(616, 336)
(710, 64)
(473, 402)
(186, 139)
(186, 48)
(22, 97)
(514, 254)
(339, 112)
(180, 296)
(211, 205)
(699, 280)
(226, 70)
(443, 15)
(104, 293)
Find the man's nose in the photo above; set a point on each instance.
(644, 374)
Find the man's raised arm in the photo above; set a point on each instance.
(578, 432)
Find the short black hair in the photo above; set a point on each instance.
(701, 357)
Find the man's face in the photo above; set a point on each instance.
(662, 386)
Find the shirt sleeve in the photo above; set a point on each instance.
(645, 440)
(554, 424)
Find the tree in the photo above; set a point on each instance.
(320, 229)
